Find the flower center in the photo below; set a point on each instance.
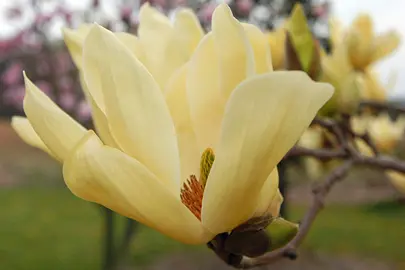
(192, 192)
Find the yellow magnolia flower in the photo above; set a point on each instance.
(337, 70)
(373, 89)
(384, 132)
(386, 135)
(244, 117)
(276, 40)
(364, 46)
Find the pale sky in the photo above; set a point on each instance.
(388, 14)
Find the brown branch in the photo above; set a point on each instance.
(381, 106)
(321, 154)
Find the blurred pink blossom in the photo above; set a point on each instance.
(13, 74)
(66, 83)
(63, 62)
(83, 111)
(205, 13)
(43, 65)
(14, 96)
(244, 7)
(67, 100)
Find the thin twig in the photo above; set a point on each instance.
(382, 106)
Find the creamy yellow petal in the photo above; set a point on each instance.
(189, 28)
(236, 57)
(137, 113)
(176, 98)
(134, 45)
(59, 132)
(74, 41)
(336, 32)
(274, 208)
(385, 44)
(269, 196)
(99, 118)
(153, 32)
(205, 99)
(386, 133)
(264, 118)
(276, 40)
(261, 48)
(372, 88)
(180, 44)
(363, 23)
(360, 41)
(109, 177)
(23, 128)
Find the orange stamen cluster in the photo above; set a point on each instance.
(192, 194)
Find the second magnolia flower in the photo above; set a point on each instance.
(226, 98)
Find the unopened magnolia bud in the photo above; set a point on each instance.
(281, 232)
(301, 48)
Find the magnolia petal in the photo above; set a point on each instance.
(59, 132)
(154, 32)
(363, 23)
(276, 40)
(236, 57)
(385, 44)
(74, 41)
(99, 118)
(360, 41)
(134, 45)
(261, 48)
(181, 43)
(275, 205)
(336, 32)
(23, 128)
(372, 89)
(109, 177)
(268, 194)
(137, 113)
(206, 102)
(176, 98)
(188, 26)
(264, 118)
